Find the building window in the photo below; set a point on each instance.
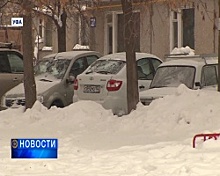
(182, 28)
(114, 37)
(41, 28)
(48, 33)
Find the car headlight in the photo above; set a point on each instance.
(40, 98)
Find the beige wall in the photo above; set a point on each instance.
(155, 31)
(205, 32)
(153, 38)
(97, 33)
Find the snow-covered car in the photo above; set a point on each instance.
(105, 80)
(54, 77)
(195, 72)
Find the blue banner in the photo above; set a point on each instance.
(34, 148)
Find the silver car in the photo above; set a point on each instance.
(195, 72)
(54, 78)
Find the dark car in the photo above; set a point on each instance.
(11, 68)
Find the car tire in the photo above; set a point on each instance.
(57, 103)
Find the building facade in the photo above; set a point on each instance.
(159, 27)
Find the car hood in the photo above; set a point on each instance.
(41, 86)
(157, 92)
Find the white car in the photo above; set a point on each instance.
(195, 72)
(105, 80)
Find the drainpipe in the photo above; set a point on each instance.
(151, 27)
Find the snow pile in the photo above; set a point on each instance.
(183, 50)
(80, 47)
(152, 140)
(47, 48)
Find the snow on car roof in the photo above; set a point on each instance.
(72, 54)
(122, 56)
(194, 61)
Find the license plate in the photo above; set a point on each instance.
(91, 89)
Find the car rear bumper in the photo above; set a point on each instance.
(116, 104)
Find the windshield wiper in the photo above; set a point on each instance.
(46, 80)
(104, 72)
(88, 72)
(157, 87)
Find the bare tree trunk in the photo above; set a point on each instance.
(27, 38)
(61, 33)
(219, 48)
(129, 38)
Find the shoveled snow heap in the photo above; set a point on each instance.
(152, 140)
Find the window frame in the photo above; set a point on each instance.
(112, 22)
(179, 21)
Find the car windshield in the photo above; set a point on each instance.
(173, 76)
(106, 66)
(54, 67)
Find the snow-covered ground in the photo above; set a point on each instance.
(151, 141)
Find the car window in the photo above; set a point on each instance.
(4, 64)
(155, 63)
(55, 68)
(209, 75)
(78, 67)
(16, 63)
(91, 59)
(106, 66)
(144, 69)
(173, 76)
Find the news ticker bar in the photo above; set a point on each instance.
(34, 148)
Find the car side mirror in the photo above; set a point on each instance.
(70, 80)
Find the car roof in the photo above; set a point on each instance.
(8, 49)
(49, 56)
(195, 60)
(122, 56)
(73, 54)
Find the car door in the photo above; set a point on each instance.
(77, 67)
(145, 72)
(11, 71)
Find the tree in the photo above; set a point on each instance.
(27, 39)
(58, 11)
(219, 50)
(55, 10)
(131, 66)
